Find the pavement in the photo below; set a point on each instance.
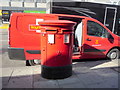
(86, 73)
(84, 76)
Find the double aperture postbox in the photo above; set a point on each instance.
(56, 48)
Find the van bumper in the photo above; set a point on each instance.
(16, 53)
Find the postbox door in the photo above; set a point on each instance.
(57, 50)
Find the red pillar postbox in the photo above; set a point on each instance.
(56, 48)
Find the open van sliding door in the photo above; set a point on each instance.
(110, 18)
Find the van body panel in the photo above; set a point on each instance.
(20, 35)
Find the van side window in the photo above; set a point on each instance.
(95, 29)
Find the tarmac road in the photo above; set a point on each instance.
(86, 73)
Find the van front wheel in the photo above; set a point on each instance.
(32, 62)
(113, 54)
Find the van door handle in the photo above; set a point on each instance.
(88, 39)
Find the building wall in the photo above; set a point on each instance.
(31, 6)
(23, 5)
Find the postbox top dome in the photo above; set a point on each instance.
(57, 22)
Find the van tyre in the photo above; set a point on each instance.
(32, 62)
(113, 54)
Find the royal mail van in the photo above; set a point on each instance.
(91, 38)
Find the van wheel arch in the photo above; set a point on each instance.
(113, 51)
(32, 62)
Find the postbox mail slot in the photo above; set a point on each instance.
(66, 38)
(50, 30)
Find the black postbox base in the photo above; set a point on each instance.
(56, 72)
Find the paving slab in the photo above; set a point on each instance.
(46, 84)
(116, 69)
(74, 85)
(37, 74)
(40, 82)
(20, 82)
(90, 78)
(0, 83)
(104, 84)
(0, 78)
(6, 75)
(21, 78)
(71, 82)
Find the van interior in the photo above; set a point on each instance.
(77, 33)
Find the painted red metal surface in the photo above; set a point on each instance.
(56, 42)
